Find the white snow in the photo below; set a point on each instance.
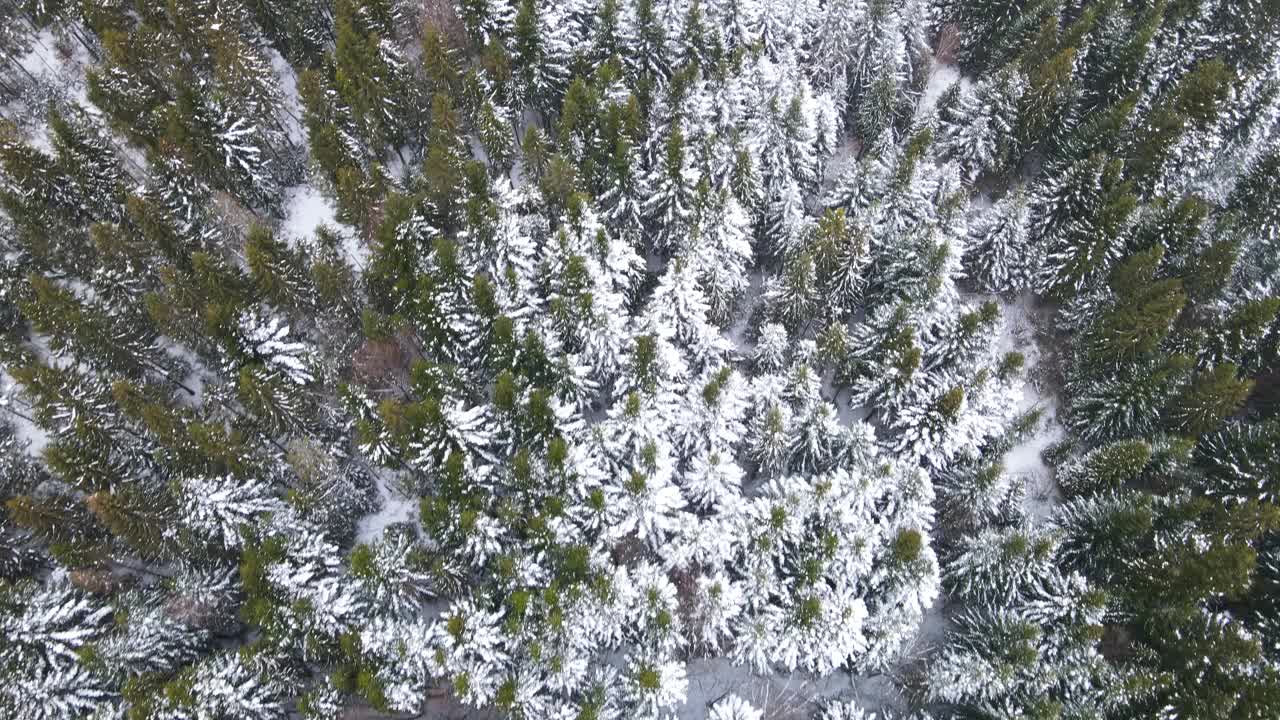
(394, 508)
(737, 332)
(1024, 460)
(61, 77)
(934, 627)
(307, 209)
(944, 75)
(781, 695)
(845, 154)
(398, 164)
(1042, 495)
(64, 78)
(31, 437)
(477, 149)
(290, 103)
(194, 379)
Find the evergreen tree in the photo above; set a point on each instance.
(539, 54)
(373, 79)
(997, 566)
(1142, 312)
(976, 125)
(1082, 215)
(1127, 403)
(486, 20)
(993, 31)
(1000, 256)
(1236, 460)
(1211, 397)
(114, 339)
(228, 683)
(1108, 467)
(223, 146)
(668, 206)
(88, 163)
(1035, 657)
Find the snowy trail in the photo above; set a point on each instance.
(1025, 461)
(780, 694)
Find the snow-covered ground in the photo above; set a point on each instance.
(782, 695)
(739, 332)
(192, 391)
(31, 437)
(943, 76)
(57, 72)
(1024, 460)
(290, 101)
(306, 209)
(393, 507)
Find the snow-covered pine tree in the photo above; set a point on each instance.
(252, 688)
(670, 190)
(1081, 218)
(150, 636)
(1109, 467)
(1238, 461)
(997, 566)
(976, 127)
(540, 54)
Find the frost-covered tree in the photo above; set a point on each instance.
(228, 683)
(669, 202)
(1038, 655)
(1237, 462)
(1000, 255)
(1108, 467)
(1127, 403)
(46, 626)
(265, 339)
(150, 637)
(1080, 216)
(976, 124)
(536, 358)
(540, 52)
(732, 707)
(216, 508)
(996, 566)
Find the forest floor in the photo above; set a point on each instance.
(1027, 330)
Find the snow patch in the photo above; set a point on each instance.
(290, 102)
(944, 75)
(63, 79)
(737, 332)
(795, 694)
(306, 209)
(394, 508)
(52, 78)
(934, 627)
(31, 437)
(1025, 460)
(191, 393)
(399, 164)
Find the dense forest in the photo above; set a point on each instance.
(640, 359)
